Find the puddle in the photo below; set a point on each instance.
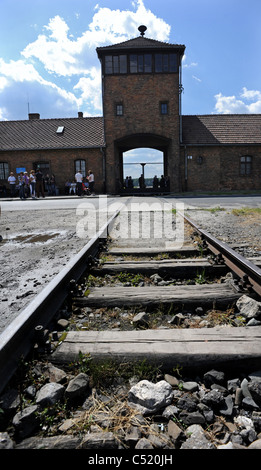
(33, 238)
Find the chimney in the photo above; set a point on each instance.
(33, 116)
(80, 114)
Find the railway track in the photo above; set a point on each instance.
(166, 344)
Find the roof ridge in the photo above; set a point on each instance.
(49, 119)
(138, 38)
(220, 114)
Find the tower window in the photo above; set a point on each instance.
(115, 64)
(164, 107)
(133, 63)
(165, 63)
(147, 63)
(141, 63)
(119, 109)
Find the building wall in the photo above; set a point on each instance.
(141, 96)
(217, 168)
(61, 163)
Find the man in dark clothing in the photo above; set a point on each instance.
(39, 187)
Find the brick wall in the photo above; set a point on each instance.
(61, 163)
(141, 96)
(218, 168)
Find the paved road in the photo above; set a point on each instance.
(102, 202)
(221, 201)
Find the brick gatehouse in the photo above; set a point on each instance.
(141, 94)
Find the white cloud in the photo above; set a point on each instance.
(90, 88)
(18, 71)
(196, 78)
(3, 113)
(3, 83)
(240, 105)
(65, 57)
(57, 56)
(188, 66)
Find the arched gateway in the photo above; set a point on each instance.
(141, 84)
(140, 141)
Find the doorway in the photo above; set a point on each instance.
(141, 166)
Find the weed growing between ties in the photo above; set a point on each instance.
(162, 316)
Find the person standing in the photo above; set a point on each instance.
(91, 182)
(53, 186)
(155, 182)
(26, 184)
(32, 184)
(78, 179)
(39, 187)
(21, 186)
(47, 184)
(12, 183)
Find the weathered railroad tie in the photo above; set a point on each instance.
(194, 347)
(203, 345)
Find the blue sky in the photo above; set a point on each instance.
(49, 65)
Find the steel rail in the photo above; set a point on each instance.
(248, 272)
(16, 340)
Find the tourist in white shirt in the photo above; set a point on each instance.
(32, 184)
(12, 183)
(78, 179)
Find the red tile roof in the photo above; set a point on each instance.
(221, 129)
(36, 134)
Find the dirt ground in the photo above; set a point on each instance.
(32, 256)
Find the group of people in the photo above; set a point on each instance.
(31, 185)
(128, 182)
(84, 187)
(162, 184)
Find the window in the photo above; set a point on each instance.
(245, 165)
(133, 63)
(141, 63)
(43, 166)
(119, 109)
(173, 62)
(4, 171)
(164, 108)
(108, 64)
(80, 165)
(165, 63)
(115, 64)
(147, 63)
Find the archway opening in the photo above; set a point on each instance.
(142, 168)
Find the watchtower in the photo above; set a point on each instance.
(141, 93)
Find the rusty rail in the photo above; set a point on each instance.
(17, 339)
(248, 274)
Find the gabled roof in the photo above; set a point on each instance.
(42, 134)
(221, 129)
(139, 43)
